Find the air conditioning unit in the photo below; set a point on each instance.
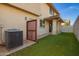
(13, 38)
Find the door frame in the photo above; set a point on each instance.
(35, 29)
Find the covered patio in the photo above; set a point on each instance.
(54, 24)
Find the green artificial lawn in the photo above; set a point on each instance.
(64, 44)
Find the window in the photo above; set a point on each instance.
(42, 23)
(50, 11)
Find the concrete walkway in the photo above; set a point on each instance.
(4, 51)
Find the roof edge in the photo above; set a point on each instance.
(53, 8)
(20, 9)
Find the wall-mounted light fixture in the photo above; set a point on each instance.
(25, 18)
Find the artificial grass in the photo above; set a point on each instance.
(64, 44)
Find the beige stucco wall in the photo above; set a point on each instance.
(59, 27)
(41, 9)
(13, 18)
(56, 28)
(42, 31)
(32, 7)
(44, 11)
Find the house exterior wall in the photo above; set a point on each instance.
(54, 28)
(59, 26)
(42, 31)
(41, 9)
(32, 7)
(13, 18)
(44, 11)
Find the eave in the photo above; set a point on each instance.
(53, 8)
(54, 18)
(21, 9)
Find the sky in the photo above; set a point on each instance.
(68, 11)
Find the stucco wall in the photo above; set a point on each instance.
(12, 18)
(41, 9)
(32, 7)
(42, 31)
(44, 11)
(54, 28)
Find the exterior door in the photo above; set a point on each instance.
(50, 27)
(32, 30)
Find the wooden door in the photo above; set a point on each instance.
(32, 30)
